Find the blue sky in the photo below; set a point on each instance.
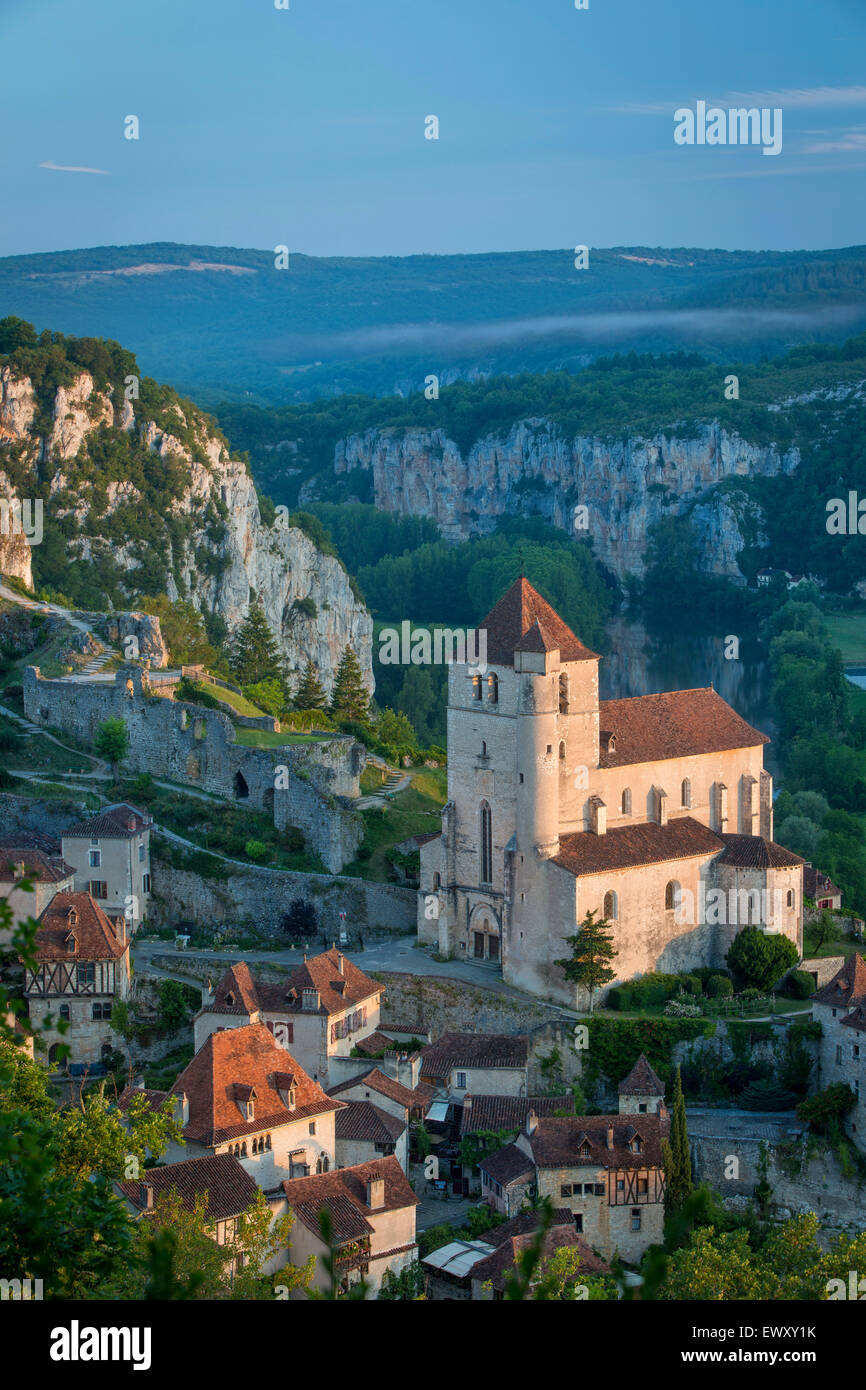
(306, 127)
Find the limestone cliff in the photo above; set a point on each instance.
(148, 488)
(626, 484)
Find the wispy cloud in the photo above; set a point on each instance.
(846, 142)
(789, 98)
(71, 168)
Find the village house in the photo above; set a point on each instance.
(490, 1275)
(245, 1095)
(491, 1063)
(371, 1207)
(655, 813)
(320, 1012)
(840, 1008)
(606, 1169)
(365, 1132)
(82, 968)
(220, 1179)
(45, 870)
(110, 853)
(820, 888)
(406, 1099)
(506, 1116)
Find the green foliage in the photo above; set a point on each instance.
(758, 958)
(111, 740)
(800, 984)
(310, 694)
(828, 1108)
(183, 631)
(301, 920)
(253, 653)
(255, 850)
(614, 1045)
(592, 949)
(349, 698)
(676, 1154)
(407, 1286)
(766, 1094)
(719, 986)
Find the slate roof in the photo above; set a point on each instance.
(555, 1142)
(363, 1120)
(344, 1193)
(677, 724)
(641, 1080)
(243, 1058)
(339, 988)
(848, 985)
(473, 1050)
(95, 934)
(495, 1113)
(507, 1165)
(521, 609)
(39, 867)
(119, 822)
(754, 852)
(377, 1080)
(629, 846)
(226, 1184)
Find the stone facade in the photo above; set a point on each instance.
(655, 812)
(310, 786)
(110, 853)
(840, 1008)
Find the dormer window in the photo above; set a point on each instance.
(584, 1150)
(230, 999)
(611, 743)
(635, 1146)
(72, 918)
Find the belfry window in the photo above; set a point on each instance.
(476, 687)
(493, 688)
(486, 844)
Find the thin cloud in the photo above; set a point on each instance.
(789, 98)
(850, 141)
(71, 168)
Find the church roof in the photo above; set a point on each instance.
(677, 724)
(754, 852)
(632, 845)
(523, 621)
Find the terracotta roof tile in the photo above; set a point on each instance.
(519, 609)
(632, 845)
(507, 1165)
(155, 1099)
(677, 724)
(31, 839)
(641, 1080)
(554, 1141)
(818, 885)
(338, 989)
(497, 1268)
(473, 1050)
(38, 866)
(848, 985)
(344, 1193)
(228, 1187)
(361, 1119)
(856, 1019)
(76, 915)
(377, 1080)
(754, 852)
(117, 822)
(246, 1057)
(495, 1113)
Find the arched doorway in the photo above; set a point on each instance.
(241, 788)
(484, 935)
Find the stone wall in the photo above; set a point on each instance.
(260, 897)
(50, 816)
(439, 1005)
(306, 785)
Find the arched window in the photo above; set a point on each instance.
(562, 751)
(626, 801)
(493, 688)
(486, 844)
(476, 687)
(268, 1142)
(244, 1149)
(437, 879)
(563, 694)
(790, 897)
(484, 748)
(672, 896)
(611, 907)
(686, 792)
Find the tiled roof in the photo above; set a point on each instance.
(38, 866)
(678, 724)
(498, 1267)
(856, 1019)
(818, 885)
(754, 852)
(94, 933)
(246, 1057)
(361, 1119)
(154, 1099)
(473, 1050)
(641, 1080)
(338, 988)
(118, 822)
(377, 1080)
(848, 985)
(555, 1142)
(495, 1113)
(228, 1187)
(31, 839)
(509, 621)
(633, 845)
(344, 1193)
(507, 1165)
(374, 1043)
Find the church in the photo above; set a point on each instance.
(654, 812)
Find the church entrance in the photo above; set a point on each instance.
(479, 945)
(493, 948)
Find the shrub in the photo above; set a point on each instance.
(674, 1009)
(694, 984)
(766, 1095)
(719, 986)
(828, 1108)
(758, 958)
(255, 850)
(800, 984)
(750, 994)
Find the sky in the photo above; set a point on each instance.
(305, 126)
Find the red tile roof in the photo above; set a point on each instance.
(344, 1193)
(363, 1120)
(507, 1165)
(339, 988)
(377, 1080)
(155, 1099)
(677, 724)
(818, 885)
(848, 985)
(31, 839)
(631, 845)
(519, 610)
(76, 915)
(498, 1267)
(228, 1187)
(856, 1019)
(555, 1142)
(38, 866)
(641, 1080)
(246, 1057)
(473, 1050)
(495, 1113)
(118, 822)
(754, 852)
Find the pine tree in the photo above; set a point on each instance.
(254, 653)
(676, 1158)
(349, 699)
(310, 694)
(591, 949)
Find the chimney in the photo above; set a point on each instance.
(181, 1108)
(207, 992)
(340, 965)
(610, 1136)
(310, 1001)
(145, 1196)
(130, 824)
(531, 1122)
(375, 1191)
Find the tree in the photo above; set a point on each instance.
(349, 698)
(310, 693)
(591, 949)
(823, 929)
(301, 918)
(183, 630)
(826, 1110)
(268, 695)
(676, 1156)
(111, 741)
(758, 958)
(254, 655)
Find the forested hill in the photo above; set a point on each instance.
(223, 323)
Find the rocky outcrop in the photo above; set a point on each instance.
(221, 553)
(625, 484)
